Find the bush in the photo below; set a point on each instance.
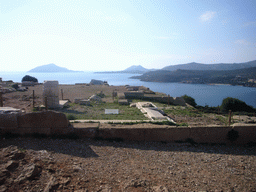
(189, 100)
(15, 86)
(29, 78)
(71, 117)
(234, 104)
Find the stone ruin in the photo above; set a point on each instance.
(51, 92)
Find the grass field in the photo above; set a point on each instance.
(97, 111)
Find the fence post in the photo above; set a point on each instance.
(61, 94)
(46, 106)
(33, 99)
(1, 100)
(229, 117)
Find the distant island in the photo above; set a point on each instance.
(136, 69)
(243, 74)
(50, 68)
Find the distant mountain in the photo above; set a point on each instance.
(133, 69)
(220, 66)
(50, 68)
(136, 68)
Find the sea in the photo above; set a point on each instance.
(210, 95)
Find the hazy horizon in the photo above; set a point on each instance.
(112, 35)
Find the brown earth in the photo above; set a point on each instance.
(29, 164)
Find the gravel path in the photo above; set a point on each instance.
(141, 166)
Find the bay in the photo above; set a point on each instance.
(211, 95)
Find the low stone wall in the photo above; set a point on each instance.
(9, 121)
(50, 123)
(47, 122)
(214, 134)
(171, 100)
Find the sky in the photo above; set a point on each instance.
(109, 35)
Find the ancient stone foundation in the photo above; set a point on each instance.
(237, 135)
(52, 123)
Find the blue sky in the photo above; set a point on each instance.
(108, 35)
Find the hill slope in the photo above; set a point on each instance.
(220, 66)
(234, 77)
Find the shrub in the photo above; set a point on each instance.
(29, 78)
(189, 100)
(15, 86)
(234, 104)
(71, 117)
(183, 124)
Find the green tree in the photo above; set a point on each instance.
(189, 100)
(29, 78)
(234, 104)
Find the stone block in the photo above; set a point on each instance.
(85, 102)
(246, 134)
(179, 101)
(45, 119)
(51, 91)
(168, 134)
(209, 134)
(8, 120)
(123, 102)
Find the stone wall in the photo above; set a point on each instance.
(50, 122)
(9, 121)
(163, 133)
(172, 100)
(46, 122)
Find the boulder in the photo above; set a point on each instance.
(29, 172)
(95, 98)
(159, 189)
(11, 165)
(13, 153)
(96, 82)
(4, 174)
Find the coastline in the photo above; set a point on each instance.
(202, 93)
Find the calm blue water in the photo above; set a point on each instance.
(211, 95)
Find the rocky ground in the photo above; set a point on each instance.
(30, 164)
(23, 100)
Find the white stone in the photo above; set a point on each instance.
(111, 111)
